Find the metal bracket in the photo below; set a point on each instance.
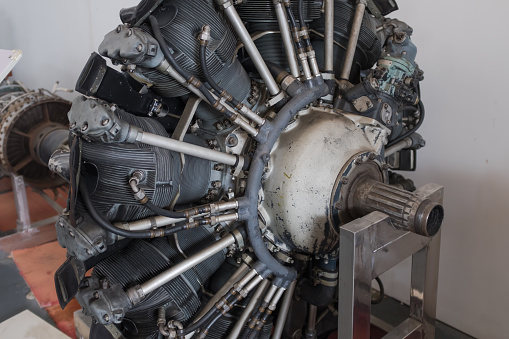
(370, 246)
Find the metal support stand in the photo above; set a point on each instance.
(29, 234)
(20, 198)
(370, 246)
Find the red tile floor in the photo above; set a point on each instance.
(38, 274)
(39, 208)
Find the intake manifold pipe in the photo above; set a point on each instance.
(406, 210)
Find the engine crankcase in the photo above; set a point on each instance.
(307, 165)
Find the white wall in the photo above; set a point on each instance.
(462, 49)
(56, 36)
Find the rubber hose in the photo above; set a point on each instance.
(154, 24)
(102, 222)
(165, 213)
(208, 77)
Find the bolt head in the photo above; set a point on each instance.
(119, 28)
(344, 181)
(96, 295)
(106, 318)
(73, 125)
(139, 48)
(105, 122)
(84, 127)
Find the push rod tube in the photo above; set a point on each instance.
(283, 312)
(137, 293)
(250, 46)
(311, 325)
(186, 148)
(165, 68)
(354, 38)
(286, 36)
(241, 271)
(329, 36)
(405, 143)
(255, 300)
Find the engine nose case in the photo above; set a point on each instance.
(319, 147)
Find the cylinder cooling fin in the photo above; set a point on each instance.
(141, 260)
(112, 194)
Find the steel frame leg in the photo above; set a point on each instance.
(370, 246)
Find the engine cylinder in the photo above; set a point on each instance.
(180, 32)
(142, 259)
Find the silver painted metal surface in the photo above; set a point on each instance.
(186, 148)
(20, 199)
(354, 37)
(170, 274)
(407, 142)
(241, 271)
(300, 182)
(145, 224)
(255, 300)
(166, 68)
(311, 323)
(283, 312)
(372, 239)
(253, 52)
(286, 36)
(329, 36)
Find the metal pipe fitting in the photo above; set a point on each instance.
(303, 58)
(313, 63)
(286, 36)
(275, 299)
(145, 224)
(161, 321)
(245, 280)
